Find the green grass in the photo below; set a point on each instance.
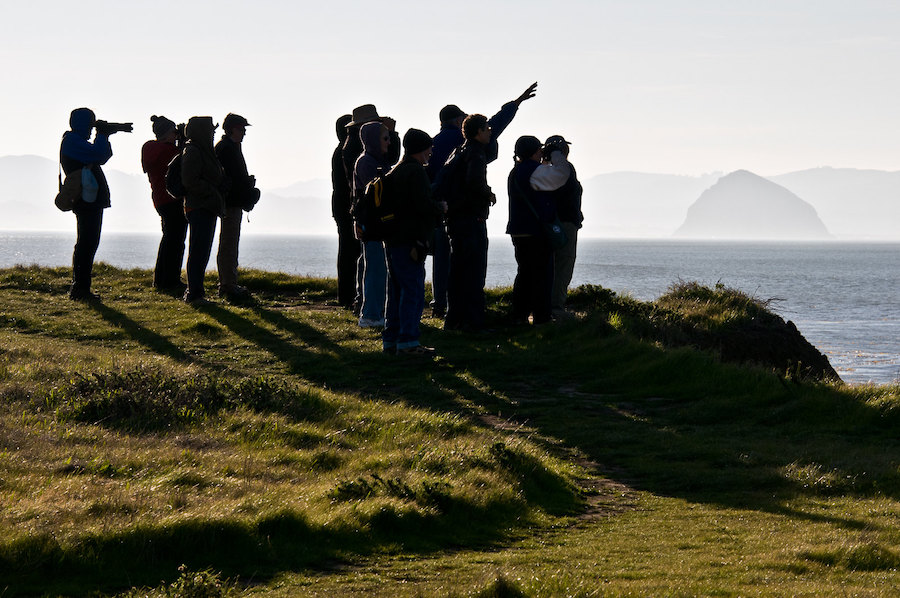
(271, 448)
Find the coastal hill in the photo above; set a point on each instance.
(743, 205)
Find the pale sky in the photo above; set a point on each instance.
(680, 87)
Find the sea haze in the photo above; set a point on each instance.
(844, 297)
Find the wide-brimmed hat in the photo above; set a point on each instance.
(364, 114)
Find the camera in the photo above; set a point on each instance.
(107, 128)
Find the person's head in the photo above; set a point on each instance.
(364, 114)
(528, 147)
(81, 121)
(200, 129)
(556, 143)
(475, 128)
(451, 115)
(375, 138)
(235, 127)
(164, 129)
(417, 145)
(341, 127)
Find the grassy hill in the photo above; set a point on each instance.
(150, 448)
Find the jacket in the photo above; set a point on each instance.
(340, 185)
(231, 157)
(76, 151)
(525, 220)
(568, 201)
(451, 137)
(201, 172)
(476, 196)
(416, 211)
(155, 158)
(372, 162)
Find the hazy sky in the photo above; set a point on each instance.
(682, 87)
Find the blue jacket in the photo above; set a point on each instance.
(451, 137)
(76, 151)
(522, 220)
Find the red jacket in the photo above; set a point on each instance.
(155, 158)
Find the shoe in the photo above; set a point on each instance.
(390, 349)
(438, 313)
(234, 292)
(196, 300)
(417, 350)
(175, 290)
(367, 323)
(86, 296)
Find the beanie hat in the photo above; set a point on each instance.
(526, 146)
(161, 125)
(416, 141)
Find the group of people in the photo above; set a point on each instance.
(194, 183)
(444, 204)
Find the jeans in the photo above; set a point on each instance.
(468, 269)
(406, 298)
(170, 256)
(374, 281)
(89, 221)
(202, 225)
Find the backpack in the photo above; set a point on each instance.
(375, 212)
(448, 184)
(174, 186)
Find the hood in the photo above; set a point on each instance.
(341, 127)
(82, 121)
(200, 129)
(370, 135)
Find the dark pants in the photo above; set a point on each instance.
(468, 269)
(203, 228)
(406, 298)
(167, 273)
(348, 253)
(88, 224)
(534, 279)
(440, 268)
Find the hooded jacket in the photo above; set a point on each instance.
(201, 172)
(373, 161)
(76, 151)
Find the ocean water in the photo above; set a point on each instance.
(844, 297)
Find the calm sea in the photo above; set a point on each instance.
(844, 297)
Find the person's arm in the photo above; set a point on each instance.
(550, 177)
(86, 152)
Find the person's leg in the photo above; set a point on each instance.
(203, 229)
(462, 262)
(440, 271)
(227, 256)
(348, 254)
(563, 267)
(374, 284)
(88, 225)
(169, 258)
(391, 331)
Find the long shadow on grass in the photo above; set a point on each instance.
(141, 334)
(285, 541)
(679, 423)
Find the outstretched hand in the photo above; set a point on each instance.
(527, 94)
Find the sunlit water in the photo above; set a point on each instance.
(844, 297)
